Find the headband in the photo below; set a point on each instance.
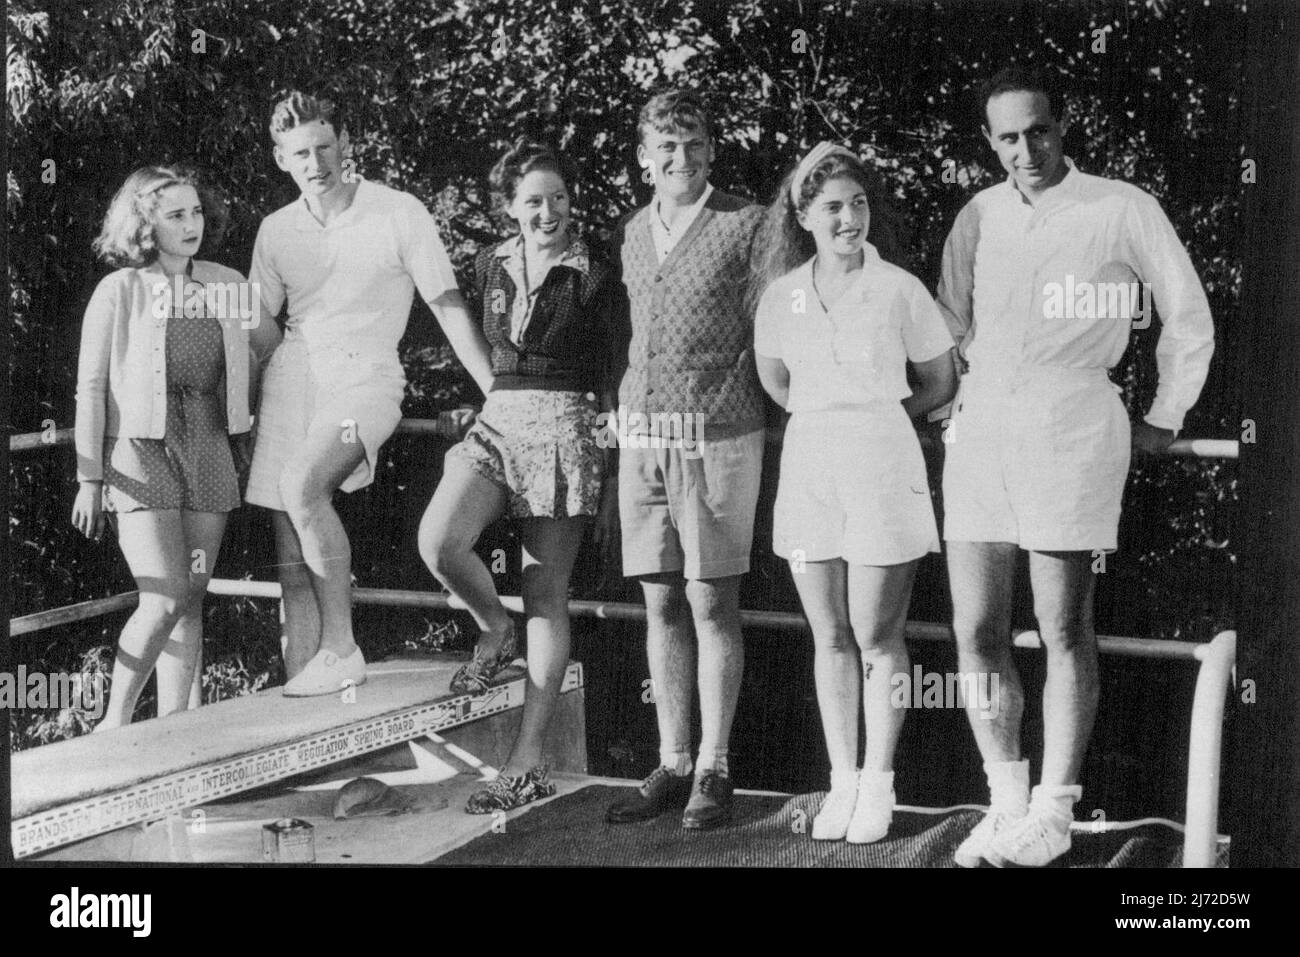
(821, 151)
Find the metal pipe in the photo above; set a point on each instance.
(1204, 759)
(71, 613)
(1183, 448)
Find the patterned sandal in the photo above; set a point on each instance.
(477, 674)
(507, 793)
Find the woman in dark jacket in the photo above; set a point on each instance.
(548, 312)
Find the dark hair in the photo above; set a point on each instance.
(296, 108)
(675, 109)
(523, 157)
(1014, 79)
(126, 236)
(781, 244)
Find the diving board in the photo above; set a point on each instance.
(96, 783)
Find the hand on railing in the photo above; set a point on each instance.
(88, 510)
(454, 423)
(1151, 440)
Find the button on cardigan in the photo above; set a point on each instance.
(122, 366)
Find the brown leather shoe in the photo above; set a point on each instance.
(661, 791)
(710, 803)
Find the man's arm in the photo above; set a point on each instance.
(465, 336)
(1187, 329)
(956, 293)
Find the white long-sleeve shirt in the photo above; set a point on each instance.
(1015, 276)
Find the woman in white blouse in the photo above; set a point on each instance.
(835, 328)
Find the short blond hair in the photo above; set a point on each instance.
(299, 108)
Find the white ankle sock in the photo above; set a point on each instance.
(879, 783)
(678, 762)
(714, 759)
(1056, 799)
(1008, 786)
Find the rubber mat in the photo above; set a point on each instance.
(769, 831)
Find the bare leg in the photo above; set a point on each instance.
(981, 576)
(550, 547)
(715, 608)
(823, 592)
(153, 541)
(1063, 587)
(670, 648)
(879, 597)
(297, 598)
(196, 687)
(177, 664)
(463, 505)
(307, 486)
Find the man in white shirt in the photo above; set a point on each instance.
(346, 258)
(1041, 278)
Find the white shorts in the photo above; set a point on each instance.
(853, 486)
(360, 397)
(1040, 462)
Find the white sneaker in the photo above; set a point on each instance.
(975, 849)
(327, 673)
(1035, 840)
(874, 811)
(832, 821)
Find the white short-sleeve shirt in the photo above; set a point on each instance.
(857, 353)
(350, 285)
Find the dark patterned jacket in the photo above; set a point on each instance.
(572, 340)
(691, 341)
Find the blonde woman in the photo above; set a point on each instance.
(162, 394)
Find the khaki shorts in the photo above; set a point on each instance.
(690, 510)
(1041, 462)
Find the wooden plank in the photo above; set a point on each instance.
(154, 768)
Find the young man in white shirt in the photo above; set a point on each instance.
(1039, 443)
(346, 258)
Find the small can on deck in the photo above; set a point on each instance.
(288, 841)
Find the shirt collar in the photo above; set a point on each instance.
(691, 213)
(1068, 186)
(306, 222)
(576, 255)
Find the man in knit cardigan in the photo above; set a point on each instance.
(687, 497)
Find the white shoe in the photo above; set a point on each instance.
(832, 821)
(1037, 839)
(874, 811)
(975, 849)
(327, 673)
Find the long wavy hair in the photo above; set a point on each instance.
(781, 244)
(126, 237)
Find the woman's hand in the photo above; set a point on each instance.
(88, 510)
(454, 423)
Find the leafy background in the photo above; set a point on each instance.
(435, 91)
